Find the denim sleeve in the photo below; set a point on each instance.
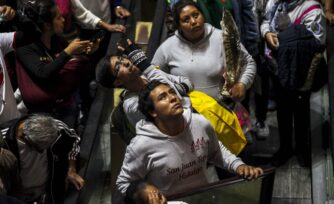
(117, 3)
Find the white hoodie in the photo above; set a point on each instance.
(174, 163)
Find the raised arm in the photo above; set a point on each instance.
(30, 57)
(222, 157)
(73, 140)
(91, 21)
(182, 84)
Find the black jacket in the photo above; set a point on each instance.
(297, 46)
(66, 147)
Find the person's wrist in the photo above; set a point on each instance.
(100, 24)
(266, 35)
(68, 52)
(71, 170)
(241, 84)
(328, 10)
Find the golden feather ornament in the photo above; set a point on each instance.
(232, 50)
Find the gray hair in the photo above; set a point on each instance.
(41, 130)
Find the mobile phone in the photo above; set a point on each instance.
(98, 35)
(123, 41)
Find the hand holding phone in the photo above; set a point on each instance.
(98, 35)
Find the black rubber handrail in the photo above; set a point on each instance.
(90, 135)
(157, 28)
(266, 186)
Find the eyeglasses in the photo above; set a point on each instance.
(120, 62)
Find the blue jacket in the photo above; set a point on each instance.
(246, 22)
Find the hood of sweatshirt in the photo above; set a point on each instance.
(207, 33)
(149, 129)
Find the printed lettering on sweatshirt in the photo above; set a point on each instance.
(193, 167)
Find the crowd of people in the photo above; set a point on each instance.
(170, 146)
(40, 94)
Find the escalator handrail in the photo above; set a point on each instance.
(90, 135)
(267, 176)
(157, 28)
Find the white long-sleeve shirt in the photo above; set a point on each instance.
(8, 109)
(85, 17)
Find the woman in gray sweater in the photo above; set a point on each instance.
(196, 51)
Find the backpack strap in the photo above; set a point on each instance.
(300, 18)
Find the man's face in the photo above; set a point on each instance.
(124, 70)
(166, 102)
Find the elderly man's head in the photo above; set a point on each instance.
(39, 131)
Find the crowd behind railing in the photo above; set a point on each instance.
(182, 115)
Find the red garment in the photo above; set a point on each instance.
(38, 98)
(65, 11)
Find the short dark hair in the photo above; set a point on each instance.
(133, 193)
(177, 8)
(103, 72)
(145, 102)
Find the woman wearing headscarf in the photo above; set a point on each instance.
(294, 31)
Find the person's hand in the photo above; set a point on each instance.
(7, 13)
(156, 197)
(238, 91)
(115, 28)
(249, 172)
(135, 54)
(272, 39)
(75, 179)
(121, 12)
(182, 88)
(330, 16)
(77, 46)
(127, 47)
(93, 46)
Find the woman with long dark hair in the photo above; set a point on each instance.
(50, 69)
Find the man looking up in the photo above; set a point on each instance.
(173, 145)
(133, 73)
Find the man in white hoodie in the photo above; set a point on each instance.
(173, 146)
